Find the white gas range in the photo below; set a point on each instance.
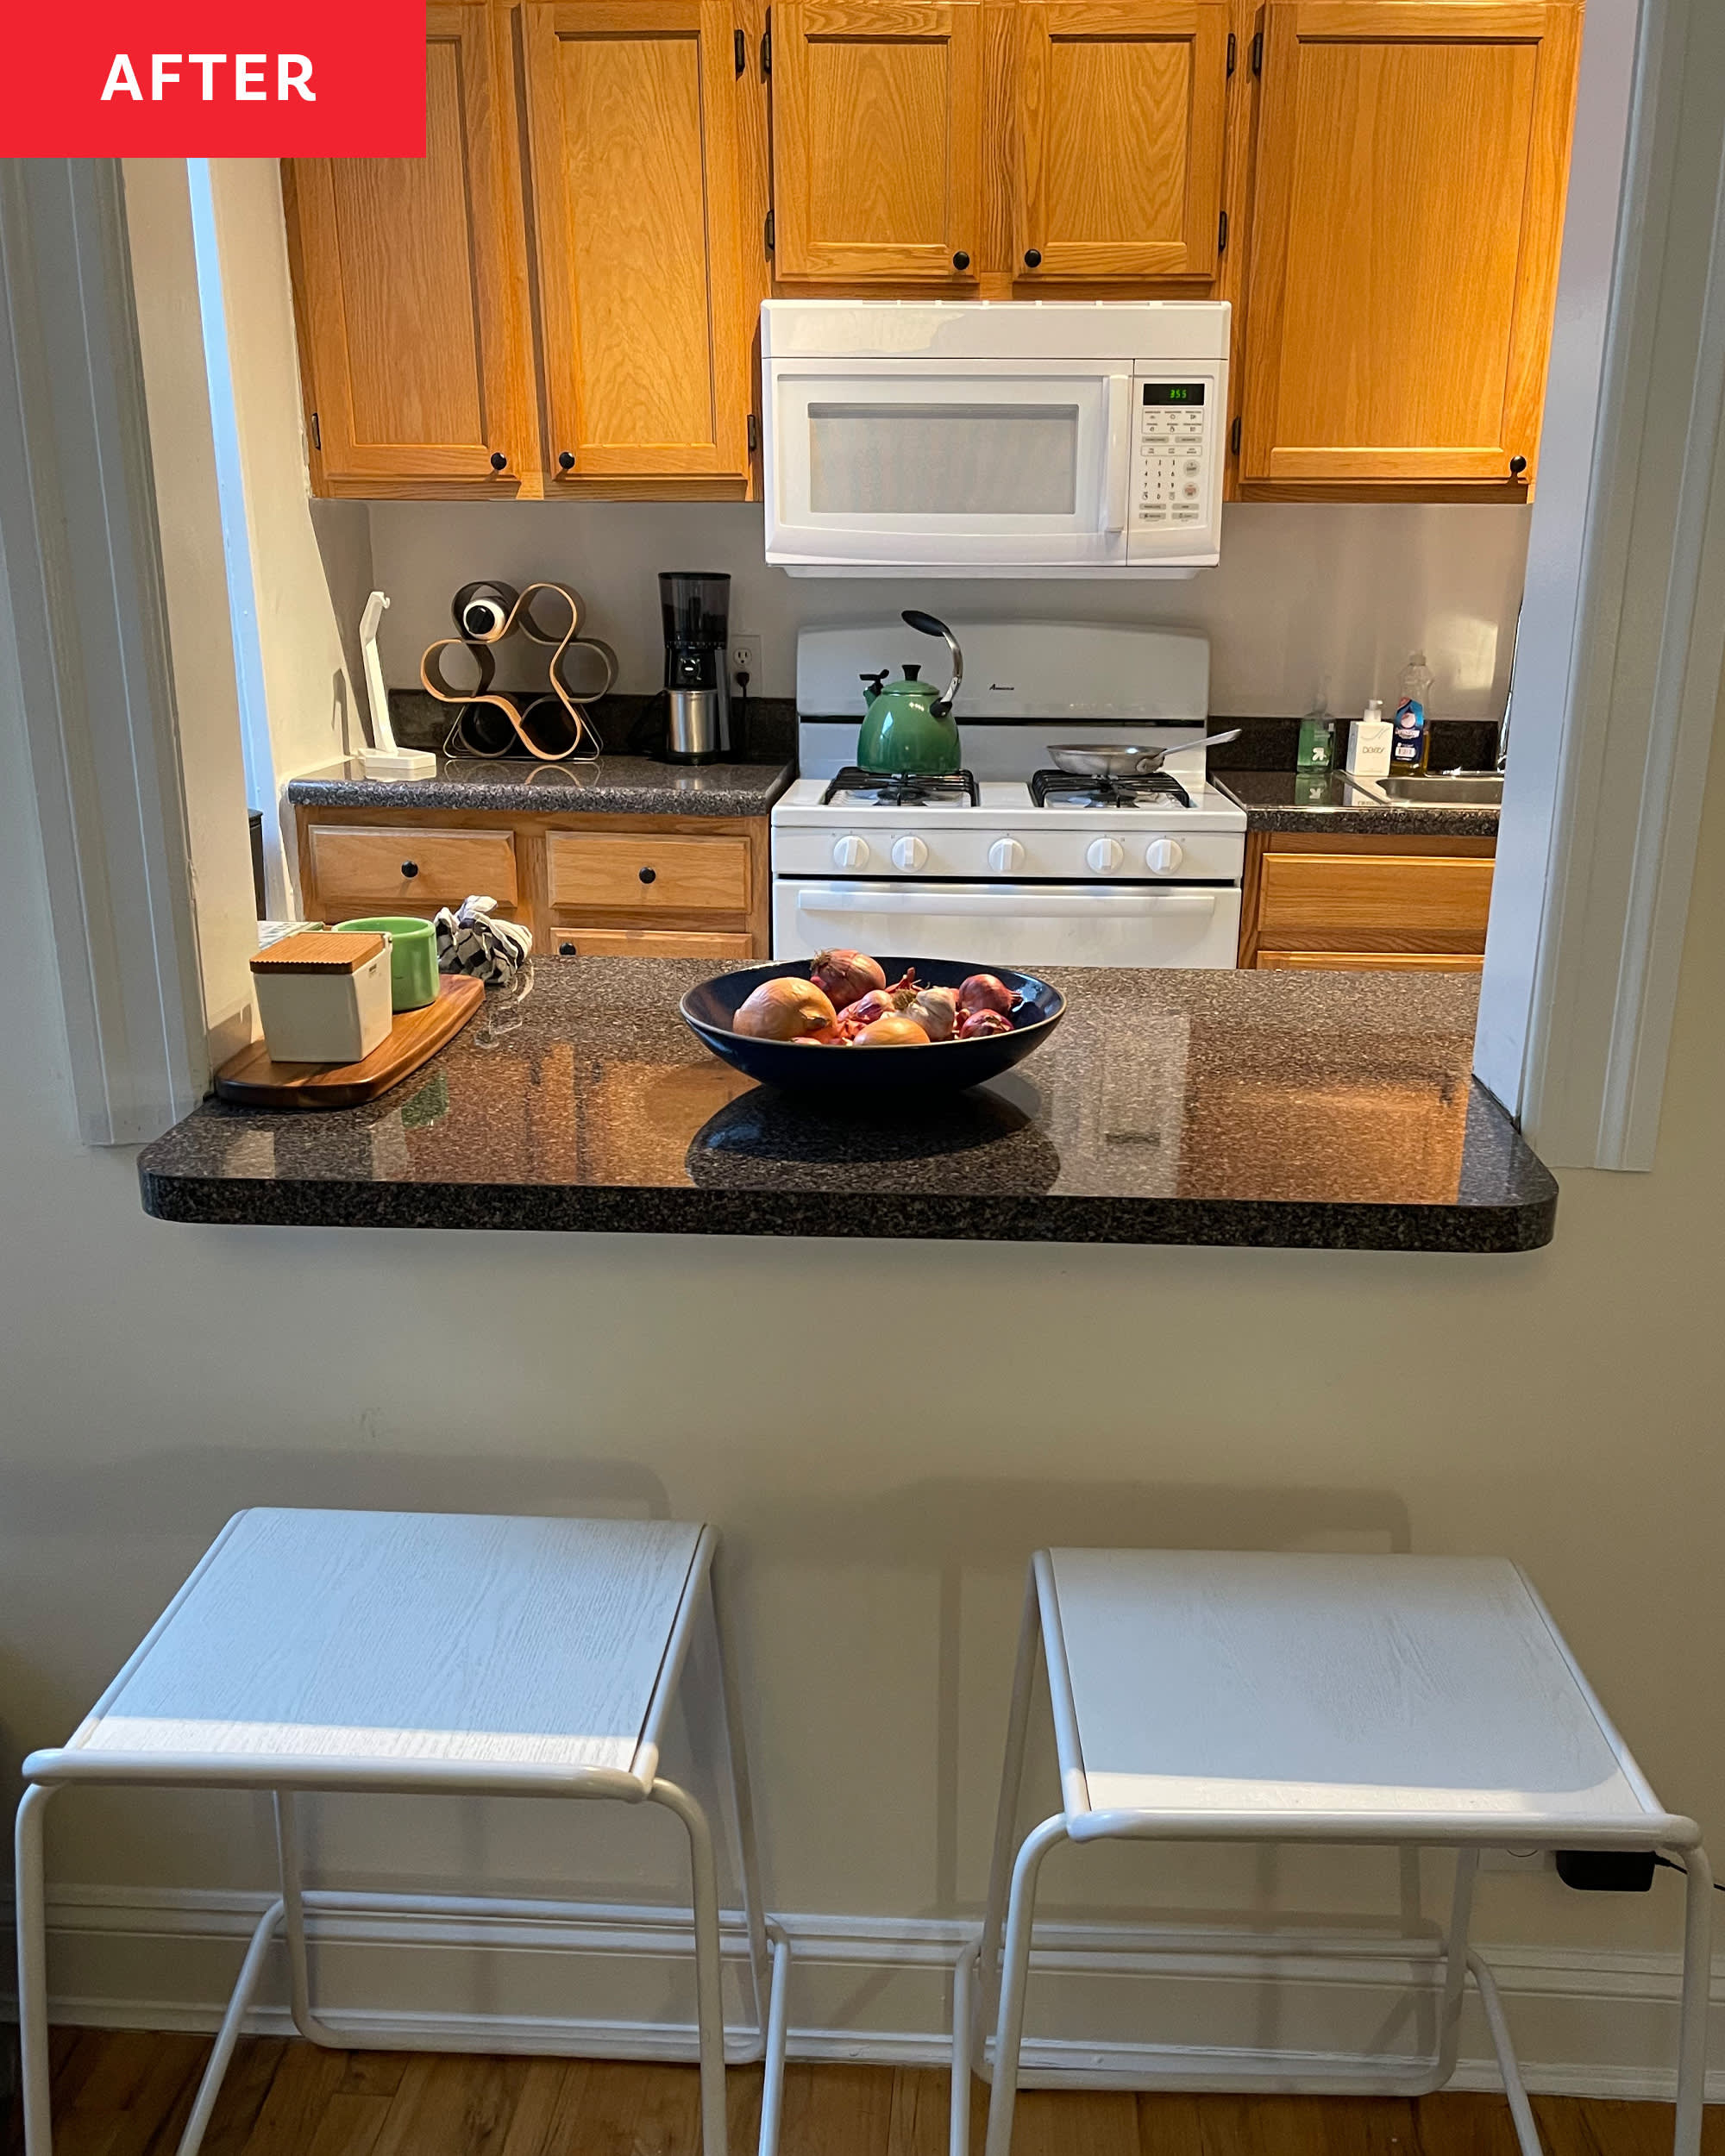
(1013, 863)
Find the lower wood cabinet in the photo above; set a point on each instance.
(1381, 903)
(666, 887)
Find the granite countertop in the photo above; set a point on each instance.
(1267, 1109)
(614, 785)
(1302, 800)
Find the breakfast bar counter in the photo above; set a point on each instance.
(1273, 1110)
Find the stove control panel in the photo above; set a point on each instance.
(1176, 464)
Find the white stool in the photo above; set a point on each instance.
(1199, 1696)
(455, 1654)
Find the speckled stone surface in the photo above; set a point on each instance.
(617, 786)
(1299, 800)
(1266, 1109)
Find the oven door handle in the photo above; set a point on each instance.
(1020, 903)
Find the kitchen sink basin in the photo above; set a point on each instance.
(1433, 789)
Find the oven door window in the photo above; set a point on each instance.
(902, 462)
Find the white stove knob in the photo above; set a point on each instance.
(851, 852)
(1004, 856)
(1163, 855)
(1105, 854)
(909, 852)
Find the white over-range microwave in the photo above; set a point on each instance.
(965, 438)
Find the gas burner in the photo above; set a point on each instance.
(906, 790)
(1076, 789)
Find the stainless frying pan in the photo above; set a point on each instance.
(1126, 759)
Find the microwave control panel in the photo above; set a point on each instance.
(1176, 464)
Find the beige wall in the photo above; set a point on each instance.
(311, 561)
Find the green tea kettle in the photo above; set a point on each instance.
(907, 729)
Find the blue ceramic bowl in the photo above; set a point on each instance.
(943, 1066)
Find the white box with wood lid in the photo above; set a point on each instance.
(324, 998)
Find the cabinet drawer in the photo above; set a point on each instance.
(1369, 961)
(1373, 902)
(652, 943)
(646, 874)
(358, 870)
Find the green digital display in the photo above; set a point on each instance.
(1174, 393)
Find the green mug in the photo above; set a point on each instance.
(412, 959)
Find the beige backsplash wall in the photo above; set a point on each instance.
(1309, 598)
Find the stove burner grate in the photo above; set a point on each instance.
(905, 791)
(1079, 789)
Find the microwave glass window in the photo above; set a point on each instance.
(1174, 393)
(893, 460)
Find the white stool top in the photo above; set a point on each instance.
(456, 1641)
(1223, 1690)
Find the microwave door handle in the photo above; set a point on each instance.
(1120, 452)
(1022, 904)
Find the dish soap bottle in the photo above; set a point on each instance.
(1411, 747)
(1317, 740)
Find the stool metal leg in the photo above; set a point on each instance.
(1697, 1968)
(1014, 1978)
(762, 1960)
(1455, 1966)
(293, 1927)
(33, 1971)
(709, 1998)
(222, 2051)
(984, 1995)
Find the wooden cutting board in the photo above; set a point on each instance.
(250, 1080)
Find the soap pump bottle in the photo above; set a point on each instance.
(1410, 748)
(1369, 740)
(1317, 746)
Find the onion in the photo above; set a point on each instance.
(828, 1037)
(783, 1010)
(976, 1025)
(936, 1010)
(984, 992)
(842, 975)
(891, 1031)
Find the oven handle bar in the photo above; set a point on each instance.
(1020, 904)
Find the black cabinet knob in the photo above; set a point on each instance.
(566, 950)
(499, 461)
(410, 869)
(649, 875)
(960, 260)
(1032, 258)
(1517, 466)
(566, 461)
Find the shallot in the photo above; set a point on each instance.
(985, 992)
(891, 1031)
(844, 976)
(784, 1009)
(976, 1025)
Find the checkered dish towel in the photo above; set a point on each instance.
(469, 941)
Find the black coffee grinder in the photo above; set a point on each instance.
(696, 611)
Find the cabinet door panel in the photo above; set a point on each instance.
(409, 276)
(876, 140)
(636, 208)
(1121, 105)
(650, 872)
(1411, 168)
(1414, 902)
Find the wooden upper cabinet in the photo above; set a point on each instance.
(411, 290)
(1412, 162)
(1120, 112)
(633, 113)
(877, 145)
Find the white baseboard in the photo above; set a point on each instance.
(575, 1978)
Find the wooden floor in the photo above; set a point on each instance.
(127, 2094)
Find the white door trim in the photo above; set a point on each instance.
(1618, 674)
(82, 564)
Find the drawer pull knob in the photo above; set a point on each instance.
(566, 950)
(565, 461)
(1032, 258)
(960, 260)
(649, 875)
(1517, 466)
(410, 869)
(499, 461)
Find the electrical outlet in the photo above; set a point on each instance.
(745, 658)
